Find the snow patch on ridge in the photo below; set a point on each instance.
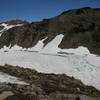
(7, 26)
(14, 48)
(39, 46)
(10, 79)
(52, 47)
(78, 51)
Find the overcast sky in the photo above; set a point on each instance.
(36, 10)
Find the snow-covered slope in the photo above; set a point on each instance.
(7, 26)
(52, 47)
(51, 59)
(74, 65)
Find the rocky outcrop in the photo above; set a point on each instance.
(81, 27)
(46, 86)
(15, 22)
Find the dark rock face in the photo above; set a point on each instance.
(81, 27)
(16, 97)
(46, 86)
(1, 27)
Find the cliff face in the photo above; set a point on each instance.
(80, 27)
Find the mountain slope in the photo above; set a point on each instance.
(80, 27)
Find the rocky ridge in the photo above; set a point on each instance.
(46, 86)
(80, 27)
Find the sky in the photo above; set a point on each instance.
(36, 10)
